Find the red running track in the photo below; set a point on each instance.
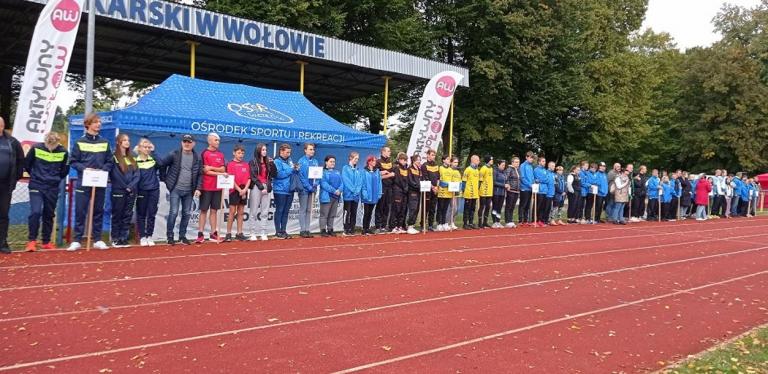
(573, 299)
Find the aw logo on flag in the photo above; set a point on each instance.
(259, 112)
(66, 15)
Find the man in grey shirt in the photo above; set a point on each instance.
(611, 182)
(182, 168)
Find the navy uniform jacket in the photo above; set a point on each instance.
(46, 168)
(90, 151)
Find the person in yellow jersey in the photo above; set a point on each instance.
(486, 192)
(471, 182)
(444, 195)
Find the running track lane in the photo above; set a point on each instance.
(424, 325)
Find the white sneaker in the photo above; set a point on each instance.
(143, 242)
(100, 245)
(150, 242)
(264, 237)
(73, 246)
(510, 225)
(253, 237)
(454, 227)
(412, 230)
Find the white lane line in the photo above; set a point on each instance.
(515, 233)
(547, 323)
(353, 280)
(337, 261)
(369, 310)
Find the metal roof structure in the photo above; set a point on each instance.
(148, 40)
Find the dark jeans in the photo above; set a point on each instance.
(384, 208)
(524, 212)
(185, 199)
(5, 207)
(469, 211)
(574, 205)
(498, 204)
(367, 214)
(122, 212)
(82, 201)
(509, 208)
(653, 210)
(431, 208)
(350, 215)
(414, 202)
(146, 210)
(443, 207)
(42, 204)
(543, 207)
(638, 206)
(282, 207)
(485, 209)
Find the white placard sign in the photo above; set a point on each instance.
(225, 181)
(535, 188)
(95, 178)
(593, 190)
(454, 186)
(426, 186)
(315, 172)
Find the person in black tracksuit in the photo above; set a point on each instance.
(47, 165)
(386, 166)
(638, 199)
(513, 190)
(125, 181)
(91, 151)
(399, 194)
(499, 191)
(414, 191)
(430, 171)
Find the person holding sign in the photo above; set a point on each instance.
(352, 179)
(238, 196)
(125, 181)
(330, 194)
(261, 180)
(47, 166)
(414, 192)
(11, 170)
(148, 195)
(210, 196)
(284, 169)
(90, 152)
(371, 192)
(307, 192)
(471, 188)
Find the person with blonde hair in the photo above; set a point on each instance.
(148, 194)
(47, 166)
(90, 152)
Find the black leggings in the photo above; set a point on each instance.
(469, 211)
(498, 204)
(543, 207)
(509, 208)
(574, 203)
(350, 215)
(485, 209)
(367, 214)
(524, 212)
(414, 201)
(638, 206)
(443, 205)
(397, 213)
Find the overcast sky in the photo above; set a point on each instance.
(688, 21)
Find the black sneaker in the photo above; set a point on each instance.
(228, 238)
(324, 233)
(241, 237)
(331, 233)
(5, 249)
(171, 241)
(185, 241)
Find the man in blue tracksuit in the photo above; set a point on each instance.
(526, 180)
(602, 191)
(47, 166)
(735, 200)
(91, 151)
(309, 186)
(589, 193)
(652, 187)
(541, 176)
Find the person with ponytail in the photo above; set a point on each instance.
(125, 181)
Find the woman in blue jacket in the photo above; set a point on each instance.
(148, 191)
(499, 192)
(331, 187)
(667, 190)
(371, 191)
(284, 169)
(602, 191)
(352, 178)
(125, 181)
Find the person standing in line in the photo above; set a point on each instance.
(512, 188)
(558, 196)
(309, 186)
(11, 170)
(486, 192)
(353, 184)
(541, 177)
(620, 196)
(384, 206)
(586, 175)
(499, 191)
(47, 166)
(330, 193)
(728, 194)
(744, 194)
(639, 195)
(148, 194)
(526, 180)
(735, 200)
(213, 165)
(686, 200)
(652, 186)
(717, 192)
(677, 192)
(182, 168)
(399, 194)
(471, 181)
(90, 152)
(602, 191)
(238, 196)
(284, 169)
(430, 171)
(125, 182)
(630, 168)
(414, 193)
(573, 188)
(261, 182)
(444, 196)
(703, 188)
(370, 193)
(612, 174)
(667, 190)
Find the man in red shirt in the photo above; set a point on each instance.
(238, 196)
(210, 196)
